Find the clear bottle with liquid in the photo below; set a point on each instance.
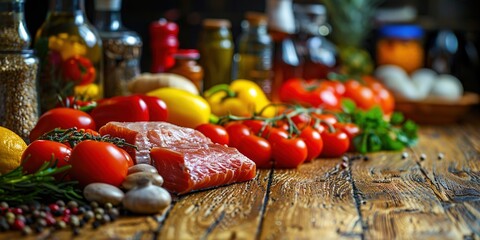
(255, 52)
(70, 53)
(122, 48)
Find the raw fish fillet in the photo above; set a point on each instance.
(184, 157)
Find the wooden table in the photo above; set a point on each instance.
(421, 196)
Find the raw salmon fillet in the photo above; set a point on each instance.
(184, 157)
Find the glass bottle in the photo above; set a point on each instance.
(121, 48)
(18, 71)
(70, 53)
(319, 55)
(186, 65)
(216, 52)
(281, 27)
(163, 44)
(255, 52)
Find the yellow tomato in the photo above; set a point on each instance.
(89, 92)
(184, 108)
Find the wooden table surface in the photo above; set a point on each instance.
(384, 197)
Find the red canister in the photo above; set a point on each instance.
(163, 44)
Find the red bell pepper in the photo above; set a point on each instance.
(156, 107)
(79, 70)
(121, 109)
(312, 92)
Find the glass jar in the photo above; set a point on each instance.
(163, 44)
(401, 45)
(216, 51)
(19, 109)
(70, 53)
(255, 52)
(121, 48)
(186, 65)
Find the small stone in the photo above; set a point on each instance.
(440, 156)
(404, 155)
(423, 157)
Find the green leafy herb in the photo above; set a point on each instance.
(17, 187)
(377, 133)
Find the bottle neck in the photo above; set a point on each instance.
(75, 8)
(106, 20)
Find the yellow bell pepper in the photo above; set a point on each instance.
(184, 108)
(240, 98)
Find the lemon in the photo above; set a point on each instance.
(11, 150)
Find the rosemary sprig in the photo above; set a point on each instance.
(73, 136)
(17, 187)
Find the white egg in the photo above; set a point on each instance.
(448, 87)
(398, 81)
(424, 79)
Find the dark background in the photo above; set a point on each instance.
(461, 16)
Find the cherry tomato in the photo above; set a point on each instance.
(383, 97)
(121, 109)
(336, 86)
(129, 158)
(216, 133)
(325, 118)
(61, 118)
(314, 142)
(289, 153)
(236, 131)
(257, 127)
(40, 151)
(275, 134)
(362, 95)
(157, 108)
(257, 149)
(98, 162)
(351, 130)
(308, 92)
(334, 143)
(79, 70)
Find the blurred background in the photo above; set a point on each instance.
(455, 19)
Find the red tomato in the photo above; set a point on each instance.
(236, 131)
(334, 143)
(121, 109)
(129, 158)
(336, 86)
(362, 95)
(256, 126)
(216, 133)
(383, 97)
(79, 70)
(157, 108)
(276, 134)
(98, 162)
(289, 153)
(309, 92)
(257, 149)
(351, 130)
(314, 142)
(40, 151)
(61, 118)
(324, 118)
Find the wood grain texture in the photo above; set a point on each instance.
(230, 212)
(313, 201)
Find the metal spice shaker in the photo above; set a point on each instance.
(121, 48)
(19, 107)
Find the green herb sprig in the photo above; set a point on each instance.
(18, 187)
(377, 133)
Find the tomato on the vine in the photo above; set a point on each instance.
(351, 129)
(216, 133)
(309, 92)
(334, 143)
(40, 151)
(257, 149)
(361, 94)
(61, 118)
(236, 131)
(79, 70)
(313, 140)
(102, 162)
(289, 153)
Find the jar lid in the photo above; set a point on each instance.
(256, 18)
(401, 31)
(216, 23)
(108, 5)
(187, 54)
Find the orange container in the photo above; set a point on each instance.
(401, 45)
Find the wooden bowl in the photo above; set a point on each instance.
(434, 110)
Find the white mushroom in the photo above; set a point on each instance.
(103, 193)
(131, 180)
(142, 167)
(146, 198)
